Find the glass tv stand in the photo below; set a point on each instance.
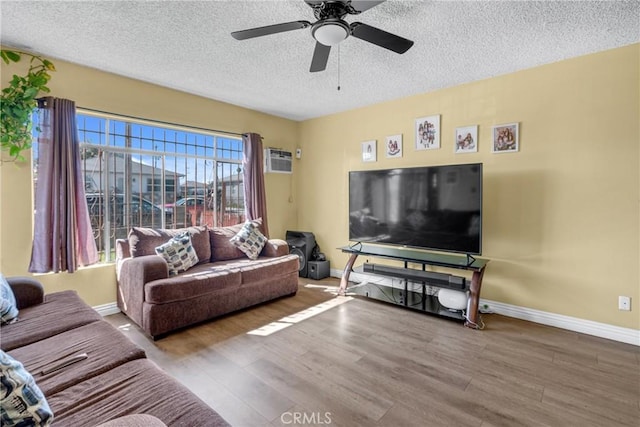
(416, 300)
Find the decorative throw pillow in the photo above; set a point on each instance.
(249, 240)
(179, 253)
(143, 241)
(8, 306)
(21, 399)
(220, 239)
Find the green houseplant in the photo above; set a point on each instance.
(19, 100)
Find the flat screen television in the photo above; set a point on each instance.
(432, 207)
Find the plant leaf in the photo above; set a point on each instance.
(48, 65)
(13, 56)
(30, 93)
(18, 102)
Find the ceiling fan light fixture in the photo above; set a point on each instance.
(330, 32)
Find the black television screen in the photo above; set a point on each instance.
(432, 207)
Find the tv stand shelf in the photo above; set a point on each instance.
(419, 300)
(440, 280)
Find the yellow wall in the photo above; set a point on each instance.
(561, 217)
(94, 89)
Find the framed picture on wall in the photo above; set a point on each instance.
(428, 133)
(505, 138)
(393, 146)
(369, 151)
(466, 139)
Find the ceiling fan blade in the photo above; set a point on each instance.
(320, 58)
(379, 37)
(269, 29)
(362, 5)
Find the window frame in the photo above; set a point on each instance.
(231, 146)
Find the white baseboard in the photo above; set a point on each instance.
(589, 327)
(107, 309)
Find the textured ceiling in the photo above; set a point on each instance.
(187, 45)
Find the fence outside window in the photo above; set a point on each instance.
(146, 174)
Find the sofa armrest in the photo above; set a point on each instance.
(28, 291)
(133, 275)
(122, 249)
(144, 269)
(275, 248)
(122, 252)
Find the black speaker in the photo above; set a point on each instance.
(301, 243)
(318, 270)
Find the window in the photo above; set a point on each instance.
(146, 174)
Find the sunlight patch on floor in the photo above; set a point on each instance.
(269, 329)
(299, 316)
(329, 289)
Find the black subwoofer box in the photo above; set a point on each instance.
(318, 269)
(301, 243)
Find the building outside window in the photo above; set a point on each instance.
(145, 174)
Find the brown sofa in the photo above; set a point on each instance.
(116, 384)
(223, 281)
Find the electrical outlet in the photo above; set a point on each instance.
(485, 309)
(624, 303)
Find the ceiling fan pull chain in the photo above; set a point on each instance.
(338, 67)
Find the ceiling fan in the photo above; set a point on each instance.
(330, 29)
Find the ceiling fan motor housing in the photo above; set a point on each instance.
(329, 9)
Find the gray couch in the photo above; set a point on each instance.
(115, 384)
(223, 281)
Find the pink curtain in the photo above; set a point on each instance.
(62, 239)
(255, 197)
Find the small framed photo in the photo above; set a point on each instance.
(505, 138)
(467, 139)
(394, 146)
(428, 133)
(369, 151)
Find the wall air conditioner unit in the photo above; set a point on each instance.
(278, 161)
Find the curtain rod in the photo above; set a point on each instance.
(41, 105)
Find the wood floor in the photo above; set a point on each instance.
(364, 363)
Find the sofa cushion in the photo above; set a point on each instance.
(221, 247)
(268, 268)
(135, 387)
(249, 240)
(22, 401)
(179, 253)
(104, 345)
(143, 241)
(8, 305)
(199, 280)
(60, 311)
